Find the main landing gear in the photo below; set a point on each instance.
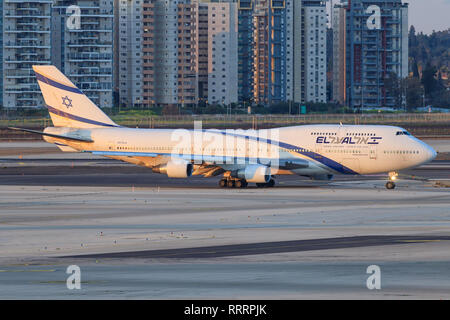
(242, 183)
(390, 185)
(233, 183)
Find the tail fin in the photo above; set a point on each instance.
(68, 106)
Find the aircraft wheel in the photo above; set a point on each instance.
(230, 184)
(271, 183)
(239, 184)
(223, 183)
(390, 185)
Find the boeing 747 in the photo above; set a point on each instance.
(240, 156)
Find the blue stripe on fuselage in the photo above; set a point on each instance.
(336, 166)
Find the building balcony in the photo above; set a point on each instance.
(19, 74)
(83, 44)
(92, 73)
(27, 101)
(36, 59)
(26, 44)
(94, 30)
(30, 2)
(90, 57)
(95, 86)
(23, 88)
(24, 30)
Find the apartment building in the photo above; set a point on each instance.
(158, 52)
(82, 46)
(222, 53)
(187, 53)
(25, 41)
(265, 50)
(285, 60)
(376, 45)
(129, 51)
(315, 51)
(339, 53)
(202, 52)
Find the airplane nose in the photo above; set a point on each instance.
(431, 153)
(427, 153)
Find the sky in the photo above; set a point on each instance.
(427, 15)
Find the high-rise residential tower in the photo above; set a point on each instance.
(171, 62)
(314, 52)
(282, 51)
(376, 48)
(222, 53)
(309, 62)
(129, 47)
(25, 37)
(167, 55)
(265, 50)
(82, 46)
(339, 56)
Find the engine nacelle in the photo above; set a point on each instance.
(255, 173)
(175, 169)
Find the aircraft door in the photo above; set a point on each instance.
(373, 152)
(111, 145)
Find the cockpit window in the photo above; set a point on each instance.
(403, 133)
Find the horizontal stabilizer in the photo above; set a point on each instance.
(79, 139)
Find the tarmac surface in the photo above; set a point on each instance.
(136, 234)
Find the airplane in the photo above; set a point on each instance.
(240, 156)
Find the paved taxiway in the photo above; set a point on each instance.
(136, 234)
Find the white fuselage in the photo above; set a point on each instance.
(328, 149)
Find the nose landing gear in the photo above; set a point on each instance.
(390, 185)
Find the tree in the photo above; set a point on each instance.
(394, 88)
(428, 79)
(414, 93)
(412, 37)
(415, 69)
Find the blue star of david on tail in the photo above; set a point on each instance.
(67, 102)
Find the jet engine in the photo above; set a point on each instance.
(175, 169)
(255, 173)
